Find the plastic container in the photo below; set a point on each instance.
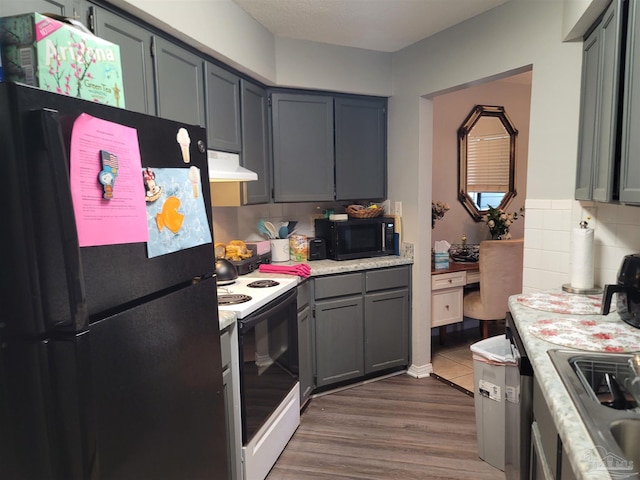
(492, 358)
(298, 248)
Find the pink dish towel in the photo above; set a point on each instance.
(301, 269)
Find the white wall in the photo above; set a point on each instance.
(329, 67)
(579, 15)
(509, 37)
(220, 28)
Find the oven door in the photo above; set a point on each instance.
(268, 349)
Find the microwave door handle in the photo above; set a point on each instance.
(384, 239)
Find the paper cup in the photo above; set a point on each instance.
(280, 250)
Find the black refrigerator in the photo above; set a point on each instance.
(110, 361)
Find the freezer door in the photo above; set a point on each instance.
(52, 283)
(157, 375)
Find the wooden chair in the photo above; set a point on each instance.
(500, 265)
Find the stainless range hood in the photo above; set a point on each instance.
(225, 167)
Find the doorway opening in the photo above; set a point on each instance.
(450, 354)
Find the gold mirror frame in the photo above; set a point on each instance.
(478, 112)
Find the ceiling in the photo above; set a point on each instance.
(380, 25)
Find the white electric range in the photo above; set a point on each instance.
(260, 290)
(267, 349)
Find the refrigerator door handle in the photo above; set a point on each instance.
(54, 147)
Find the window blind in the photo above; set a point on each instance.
(487, 170)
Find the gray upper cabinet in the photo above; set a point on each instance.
(599, 107)
(255, 142)
(588, 102)
(179, 83)
(361, 148)
(135, 56)
(307, 129)
(302, 133)
(60, 7)
(223, 109)
(630, 155)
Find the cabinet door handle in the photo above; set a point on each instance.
(446, 307)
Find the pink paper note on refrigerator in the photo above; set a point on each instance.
(106, 183)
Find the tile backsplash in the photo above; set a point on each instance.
(239, 223)
(547, 240)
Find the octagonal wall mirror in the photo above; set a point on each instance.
(486, 160)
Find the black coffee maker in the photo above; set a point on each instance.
(627, 291)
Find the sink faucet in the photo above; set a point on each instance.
(634, 380)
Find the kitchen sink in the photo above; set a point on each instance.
(599, 384)
(626, 432)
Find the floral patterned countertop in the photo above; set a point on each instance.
(562, 302)
(530, 323)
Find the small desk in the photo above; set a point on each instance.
(447, 293)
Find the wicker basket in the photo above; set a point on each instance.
(358, 211)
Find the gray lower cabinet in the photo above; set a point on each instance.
(256, 146)
(305, 343)
(601, 67)
(231, 392)
(223, 109)
(548, 455)
(361, 323)
(302, 141)
(135, 56)
(179, 83)
(339, 340)
(228, 399)
(361, 148)
(386, 325)
(386, 318)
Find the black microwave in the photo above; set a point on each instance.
(357, 237)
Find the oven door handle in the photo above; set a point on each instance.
(275, 307)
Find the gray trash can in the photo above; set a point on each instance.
(491, 359)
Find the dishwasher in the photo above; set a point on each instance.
(518, 408)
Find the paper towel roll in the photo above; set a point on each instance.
(582, 258)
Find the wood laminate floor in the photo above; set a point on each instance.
(395, 428)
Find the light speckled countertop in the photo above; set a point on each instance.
(575, 437)
(226, 318)
(328, 267)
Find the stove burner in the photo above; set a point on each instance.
(263, 283)
(232, 299)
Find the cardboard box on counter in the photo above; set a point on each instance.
(47, 53)
(260, 247)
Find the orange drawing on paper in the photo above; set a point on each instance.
(169, 216)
